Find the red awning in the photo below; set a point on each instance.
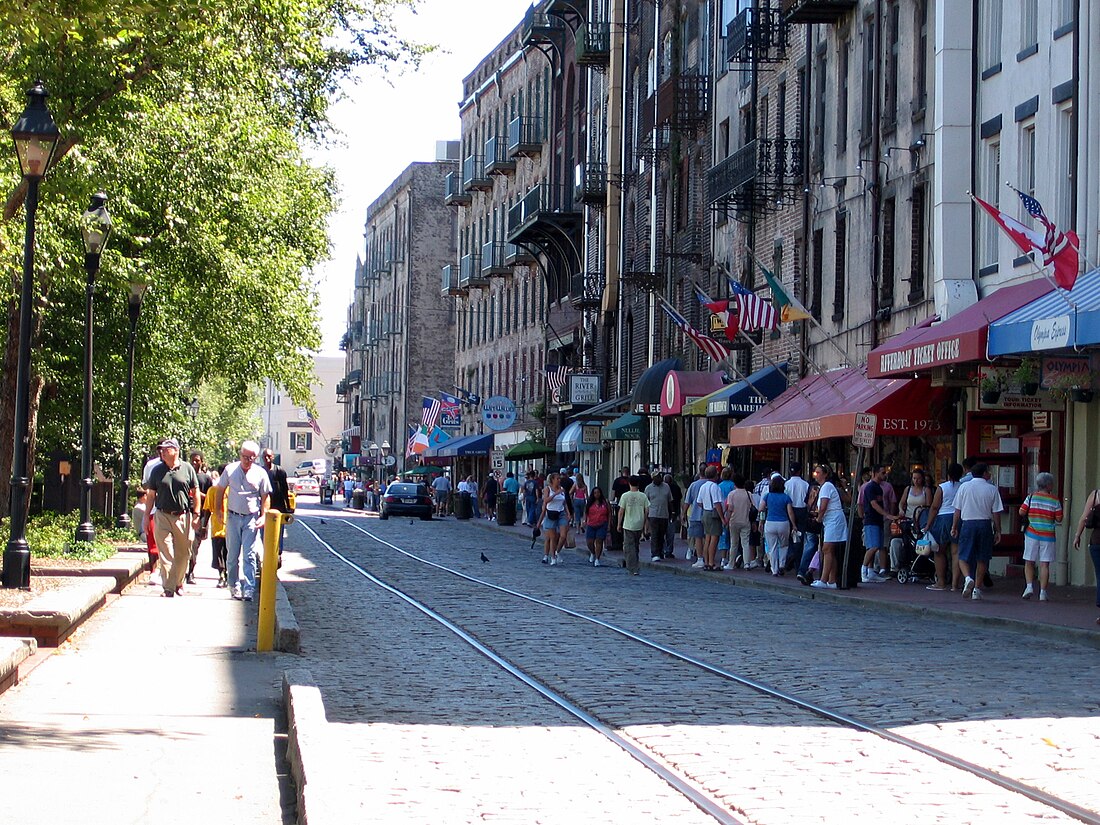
(682, 387)
(959, 339)
(817, 408)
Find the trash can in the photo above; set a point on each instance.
(357, 499)
(506, 509)
(615, 537)
(326, 494)
(463, 510)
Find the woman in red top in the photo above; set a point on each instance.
(597, 514)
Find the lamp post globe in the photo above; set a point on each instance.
(36, 137)
(95, 227)
(133, 308)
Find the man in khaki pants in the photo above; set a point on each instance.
(174, 486)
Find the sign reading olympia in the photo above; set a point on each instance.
(864, 433)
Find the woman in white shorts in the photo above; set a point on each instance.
(1044, 513)
(830, 512)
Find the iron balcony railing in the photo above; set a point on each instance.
(497, 159)
(525, 136)
(757, 35)
(493, 260)
(469, 272)
(454, 193)
(449, 285)
(593, 44)
(514, 254)
(473, 174)
(772, 163)
(815, 11)
(586, 290)
(683, 101)
(590, 183)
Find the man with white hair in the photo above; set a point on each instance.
(244, 495)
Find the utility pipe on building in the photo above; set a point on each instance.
(616, 151)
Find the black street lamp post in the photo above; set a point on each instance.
(137, 292)
(36, 137)
(95, 226)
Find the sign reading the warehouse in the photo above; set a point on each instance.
(921, 356)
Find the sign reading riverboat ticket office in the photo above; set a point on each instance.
(863, 435)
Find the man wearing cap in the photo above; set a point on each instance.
(244, 494)
(173, 486)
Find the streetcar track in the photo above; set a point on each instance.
(1002, 781)
(682, 784)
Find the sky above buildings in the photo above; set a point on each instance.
(385, 122)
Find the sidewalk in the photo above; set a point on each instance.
(153, 712)
(1070, 615)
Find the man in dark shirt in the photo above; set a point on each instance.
(874, 521)
(621, 484)
(644, 477)
(280, 492)
(674, 516)
(173, 486)
(198, 461)
(489, 493)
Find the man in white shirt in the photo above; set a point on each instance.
(442, 487)
(710, 499)
(797, 488)
(976, 526)
(243, 498)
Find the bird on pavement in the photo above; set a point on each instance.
(484, 557)
(323, 521)
(410, 521)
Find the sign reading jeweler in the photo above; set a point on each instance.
(498, 413)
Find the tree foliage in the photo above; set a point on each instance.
(191, 115)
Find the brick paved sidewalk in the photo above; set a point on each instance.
(1070, 614)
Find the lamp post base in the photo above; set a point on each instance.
(85, 531)
(17, 565)
(123, 522)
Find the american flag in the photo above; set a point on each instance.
(555, 380)
(313, 425)
(430, 413)
(1054, 241)
(707, 344)
(753, 312)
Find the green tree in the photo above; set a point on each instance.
(191, 115)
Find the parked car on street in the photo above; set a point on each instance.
(313, 467)
(307, 486)
(405, 499)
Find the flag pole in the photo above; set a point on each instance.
(770, 360)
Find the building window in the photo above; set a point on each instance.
(888, 273)
(990, 22)
(301, 442)
(840, 267)
(990, 189)
(890, 79)
(1065, 199)
(1027, 167)
(1029, 25)
(820, 70)
(817, 272)
(867, 102)
(1063, 13)
(842, 96)
(918, 240)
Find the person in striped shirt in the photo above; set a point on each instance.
(1043, 512)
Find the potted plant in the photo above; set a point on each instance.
(1075, 387)
(990, 386)
(1027, 376)
(1082, 391)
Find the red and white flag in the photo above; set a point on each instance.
(1057, 248)
(713, 348)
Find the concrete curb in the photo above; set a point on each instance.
(1090, 638)
(51, 617)
(13, 651)
(308, 749)
(288, 635)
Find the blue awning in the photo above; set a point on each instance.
(571, 439)
(467, 445)
(742, 399)
(1057, 320)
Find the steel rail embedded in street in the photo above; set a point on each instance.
(1005, 782)
(680, 783)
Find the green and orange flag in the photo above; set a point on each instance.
(789, 308)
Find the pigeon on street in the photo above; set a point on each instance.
(484, 557)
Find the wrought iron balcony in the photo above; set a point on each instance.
(342, 391)
(644, 280)
(654, 143)
(515, 255)
(590, 183)
(525, 137)
(469, 272)
(815, 11)
(758, 175)
(586, 290)
(757, 36)
(449, 284)
(543, 204)
(473, 174)
(682, 102)
(497, 159)
(455, 193)
(493, 262)
(540, 27)
(593, 44)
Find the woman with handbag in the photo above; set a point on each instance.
(553, 518)
(1090, 520)
(939, 528)
(830, 514)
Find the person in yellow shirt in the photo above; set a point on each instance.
(214, 523)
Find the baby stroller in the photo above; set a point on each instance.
(916, 562)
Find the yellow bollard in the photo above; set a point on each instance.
(265, 631)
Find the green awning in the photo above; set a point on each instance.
(628, 427)
(528, 449)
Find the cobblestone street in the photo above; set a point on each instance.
(429, 730)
